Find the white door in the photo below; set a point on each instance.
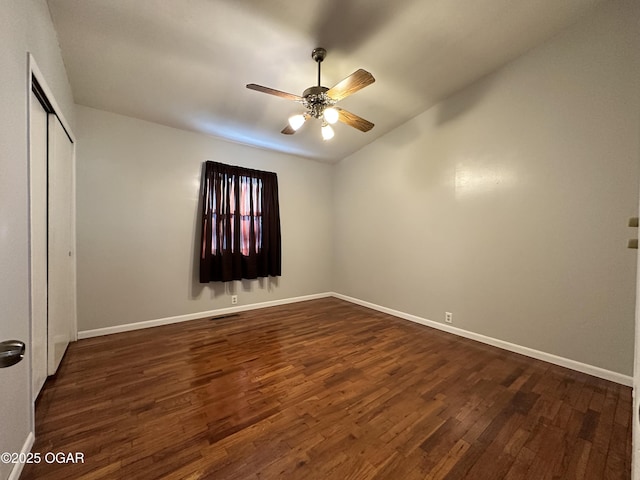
(15, 380)
(38, 243)
(61, 277)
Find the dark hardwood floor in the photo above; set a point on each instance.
(323, 390)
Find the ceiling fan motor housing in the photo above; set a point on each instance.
(315, 99)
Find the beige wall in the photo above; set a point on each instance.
(25, 26)
(137, 204)
(507, 204)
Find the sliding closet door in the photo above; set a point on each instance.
(61, 276)
(38, 205)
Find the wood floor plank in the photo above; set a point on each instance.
(326, 390)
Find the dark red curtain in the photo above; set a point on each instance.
(240, 224)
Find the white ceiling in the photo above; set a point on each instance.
(185, 63)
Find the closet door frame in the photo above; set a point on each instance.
(34, 73)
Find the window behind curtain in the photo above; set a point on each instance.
(240, 224)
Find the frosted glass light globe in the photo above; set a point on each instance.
(296, 121)
(330, 115)
(327, 132)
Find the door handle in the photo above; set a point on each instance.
(11, 352)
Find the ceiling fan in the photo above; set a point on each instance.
(320, 101)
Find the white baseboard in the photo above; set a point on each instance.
(512, 347)
(194, 316)
(26, 448)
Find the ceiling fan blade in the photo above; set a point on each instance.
(354, 82)
(289, 130)
(354, 120)
(277, 93)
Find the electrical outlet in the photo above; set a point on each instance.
(234, 299)
(448, 317)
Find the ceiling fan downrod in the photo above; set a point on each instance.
(318, 54)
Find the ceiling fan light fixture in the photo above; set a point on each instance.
(331, 115)
(296, 121)
(319, 101)
(327, 132)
